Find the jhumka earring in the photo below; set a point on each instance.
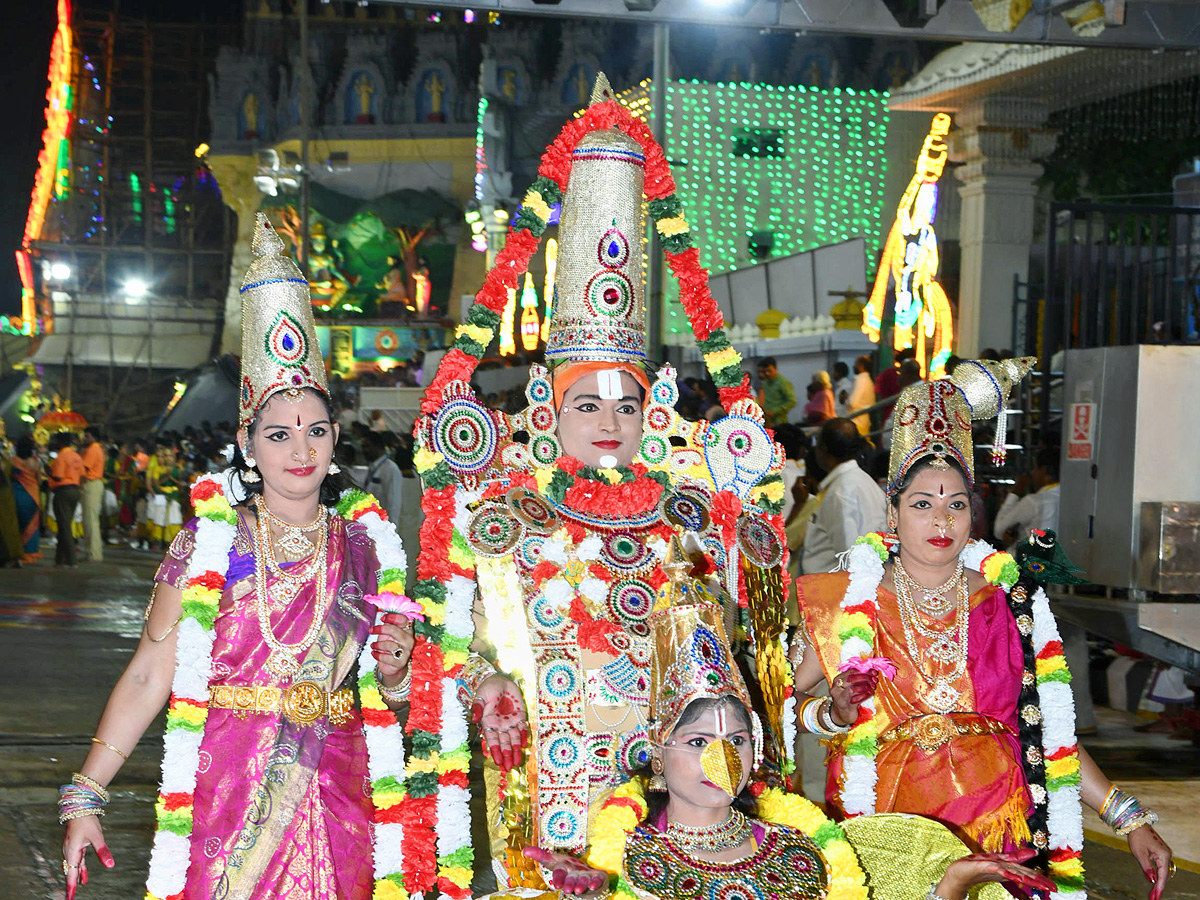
(250, 476)
(333, 469)
(657, 784)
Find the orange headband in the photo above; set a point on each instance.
(569, 373)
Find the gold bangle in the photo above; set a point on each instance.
(150, 602)
(104, 743)
(165, 634)
(1107, 799)
(84, 781)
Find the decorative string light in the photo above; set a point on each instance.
(548, 288)
(816, 177)
(910, 260)
(530, 330)
(508, 319)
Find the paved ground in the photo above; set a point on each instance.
(65, 636)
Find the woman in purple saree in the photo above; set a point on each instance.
(259, 616)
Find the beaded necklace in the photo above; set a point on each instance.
(730, 832)
(942, 647)
(282, 659)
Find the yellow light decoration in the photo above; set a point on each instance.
(548, 285)
(507, 319)
(530, 329)
(910, 260)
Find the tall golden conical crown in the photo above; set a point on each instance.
(933, 418)
(279, 336)
(692, 658)
(599, 306)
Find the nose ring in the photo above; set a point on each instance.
(950, 521)
(312, 456)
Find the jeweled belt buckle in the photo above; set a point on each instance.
(304, 702)
(933, 730)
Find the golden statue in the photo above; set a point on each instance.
(364, 88)
(437, 89)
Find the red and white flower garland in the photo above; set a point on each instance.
(206, 574)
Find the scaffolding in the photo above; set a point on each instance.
(131, 261)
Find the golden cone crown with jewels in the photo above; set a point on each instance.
(692, 658)
(933, 418)
(279, 335)
(599, 308)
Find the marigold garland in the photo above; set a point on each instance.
(626, 808)
(187, 711)
(1047, 709)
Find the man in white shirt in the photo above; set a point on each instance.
(843, 386)
(384, 479)
(1037, 509)
(851, 503)
(862, 395)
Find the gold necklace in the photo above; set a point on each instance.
(282, 659)
(290, 581)
(946, 647)
(730, 832)
(293, 542)
(939, 600)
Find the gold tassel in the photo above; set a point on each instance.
(1008, 821)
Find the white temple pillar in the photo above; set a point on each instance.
(997, 141)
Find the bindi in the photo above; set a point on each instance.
(297, 421)
(941, 490)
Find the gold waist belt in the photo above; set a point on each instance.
(931, 731)
(303, 702)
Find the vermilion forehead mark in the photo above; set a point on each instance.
(297, 420)
(941, 490)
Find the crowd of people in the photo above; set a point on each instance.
(79, 491)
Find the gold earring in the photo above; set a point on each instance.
(657, 784)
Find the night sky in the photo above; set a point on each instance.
(23, 87)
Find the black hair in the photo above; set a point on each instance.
(25, 447)
(745, 802)
(1047, 458)
(793, 441)
(331, 486)
(840, 370)
(906, 353)
(767, 362)
(840, 439)
(93, 431)
(921, 466)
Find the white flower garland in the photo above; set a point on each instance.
(1064, 807)
(171, 850)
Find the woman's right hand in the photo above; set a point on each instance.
(979, 868)
(849, 691)
(567, 874)
(82, 833)
(499, 711)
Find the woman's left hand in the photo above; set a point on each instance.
(394, 646)
(1154, 856)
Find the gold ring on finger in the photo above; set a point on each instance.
(1171, 871)
(67, 867)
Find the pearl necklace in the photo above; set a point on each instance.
(945, 646)
(282, 659)
(730, 832)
